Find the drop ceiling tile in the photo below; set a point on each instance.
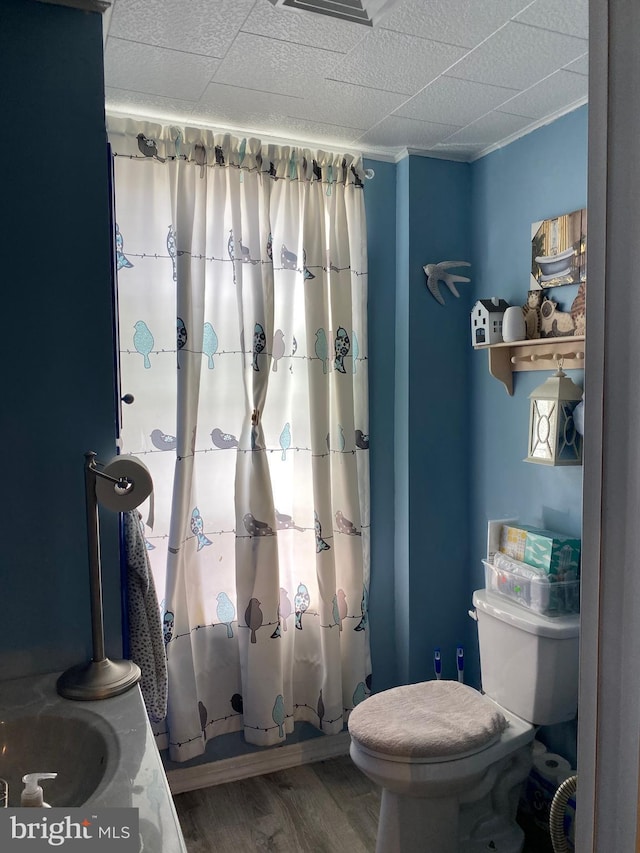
(232, 101)
(454, 21)
(570, 16)
(303, 27)
(549, 96)
(489, 129)
(257, 62)
(406, 132)
(316, 134)
(197, 26)
(579, 66)
(156, 70)
(345, 104)
(449, 96)
(122, 100)
(519, 56)
(395, 62)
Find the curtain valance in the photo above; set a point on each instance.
(135, 138)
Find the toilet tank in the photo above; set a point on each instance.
(529, 662)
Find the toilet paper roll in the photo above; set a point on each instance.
(538, 749)
(552, 767)
(112, 496)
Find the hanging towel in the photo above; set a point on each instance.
(145, 628)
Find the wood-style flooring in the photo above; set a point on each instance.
(326, 807)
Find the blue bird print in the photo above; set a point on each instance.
(359, 694)
(225, 611)
(364, 607)
(121, 259)
(321, 545)
(342, 346)
(209, 343)
(172, 249)
(278, 714)
(143, 341)
(301, 603)
(306, 273)
(339, 607)
(285, 440)
(355, 349)
(322, 348)
(259, 341)
(341, 439)
(181, 336)
(270, 246)
(197, 527)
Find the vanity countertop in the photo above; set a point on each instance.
(136, 779)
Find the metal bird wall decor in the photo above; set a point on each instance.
(438, 272)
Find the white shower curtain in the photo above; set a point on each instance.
(242, 287)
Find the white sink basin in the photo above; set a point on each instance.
(79, 746)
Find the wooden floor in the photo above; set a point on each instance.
(326, 807)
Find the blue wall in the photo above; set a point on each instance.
(419, 412)
(536, 177)
(58, 369)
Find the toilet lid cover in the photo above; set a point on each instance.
(431, 719)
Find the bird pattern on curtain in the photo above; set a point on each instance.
(242, 288)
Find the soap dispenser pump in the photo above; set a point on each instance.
(32, 794)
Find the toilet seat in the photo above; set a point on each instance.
(429, 722)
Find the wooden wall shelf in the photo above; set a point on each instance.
(540, 354)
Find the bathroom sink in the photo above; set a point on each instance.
(78, 745)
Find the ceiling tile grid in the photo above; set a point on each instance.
(443, 77)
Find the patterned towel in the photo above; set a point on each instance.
(145, 628)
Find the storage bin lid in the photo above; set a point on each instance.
(556, 627)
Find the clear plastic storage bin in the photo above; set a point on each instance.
(541, 594)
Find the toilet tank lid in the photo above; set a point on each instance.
(557, 627)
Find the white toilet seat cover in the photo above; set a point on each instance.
(431, 719)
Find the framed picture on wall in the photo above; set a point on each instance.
(559, 250)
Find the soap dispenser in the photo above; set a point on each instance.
(32, 794)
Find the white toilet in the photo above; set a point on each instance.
(450, 760)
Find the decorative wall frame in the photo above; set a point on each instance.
(559, 250)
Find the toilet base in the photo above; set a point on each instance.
(442, 825)
(417, 823)
(474, 819)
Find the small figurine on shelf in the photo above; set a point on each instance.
(578, 310)
(554, 323)
(486, 321)
(532, 315)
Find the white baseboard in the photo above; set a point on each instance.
(258, 763)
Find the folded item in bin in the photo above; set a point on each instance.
(523, 570)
